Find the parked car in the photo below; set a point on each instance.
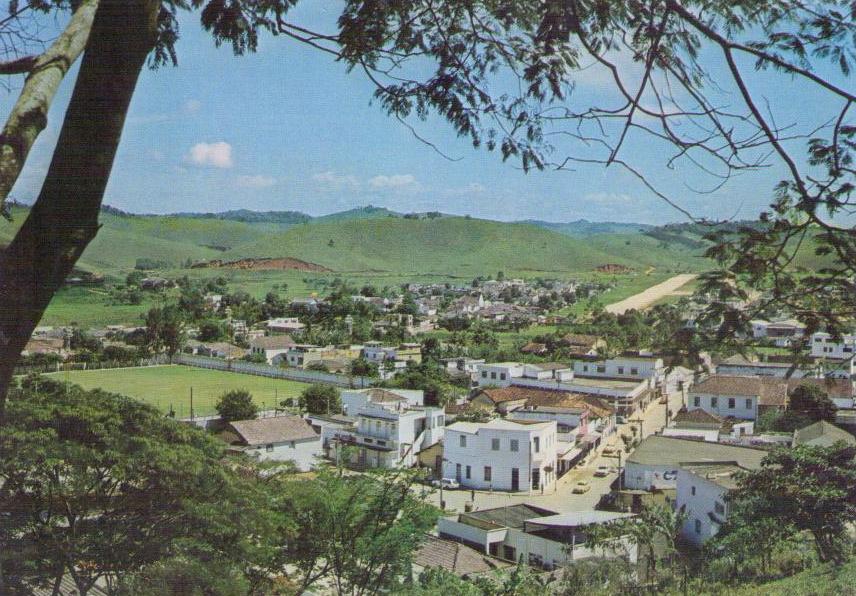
(610, 452)
(446, 483)
(581, 487)
(601, 471)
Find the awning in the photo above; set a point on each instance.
(591, 438)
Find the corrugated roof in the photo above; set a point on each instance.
(697, 416)
(277, 429)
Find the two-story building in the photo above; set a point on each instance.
(355, 399)
(824, 345)
(702, 494)
(390, 436)
(284, 325)
(739, 397)
(501, 455)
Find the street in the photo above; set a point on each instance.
(562, 499)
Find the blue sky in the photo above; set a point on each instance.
(289, 129)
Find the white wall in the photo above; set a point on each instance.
(699, 527)
(478, 454)
(642, 476)
(719, 405)
(304, 453)
(823, 346)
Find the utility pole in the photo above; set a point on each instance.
(191, 402)
(619, 469)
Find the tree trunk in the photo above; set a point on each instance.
(64, 219)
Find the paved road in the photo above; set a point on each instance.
(562, 499)
(651, 295)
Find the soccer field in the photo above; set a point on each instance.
(165, 386)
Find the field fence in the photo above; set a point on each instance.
(158, 360)
(265, 370)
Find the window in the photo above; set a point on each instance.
(731, 403)
(484, 374)
(585, 368)
(536, 442)
(502, 376)
(269, 447)
(463, 440)
(692, 491)
(696, 401)
(469, 471)
(487, 473)
(515, 445)
(535, 560)
(698, 526)
(601, 369)
(719, 508)
(621, 370)
(494, 444)
(493, 375)
(748, 403)
(634, 371)
(714, 402)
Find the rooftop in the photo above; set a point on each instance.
(273, 342)
(277, 429)
(578, 518)
(498, 424)
(697, 416)
(822, 434)
(452, 556)
(722, 473)
(770, 391)
(512, 516)
(670, 451)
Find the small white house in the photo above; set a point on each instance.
(274, 348)
(502, 455)
(823, 345)
(278, 438)
(390, 436)
(701, 493)
(284, 325)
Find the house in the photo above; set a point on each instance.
(273, 348)
(823, 345)
(655, 461)
(308, 305)
(501, 455)
(742, 367)
(822, 434)
(840, 391)
(782, 333)
(408, 352)
(392, 435)
(739, 397)
(278, 438)
(702, 425)
(702, 494)
(213, 301)
(302, 355)
(284, 325)
(156, 283)
(461, 366)
(453, 556)
(217, 349)
(533, 535)
(354, 400)
(582, 346)
(535, 348)
(45, 345)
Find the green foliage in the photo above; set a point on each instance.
(363, 368)
(165, 329)
(96, 485)
(210, 330)
(321, 398)
(813, 402)
(359, 531)
(811, 489)
(237, 405)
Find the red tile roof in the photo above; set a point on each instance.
(769, 391)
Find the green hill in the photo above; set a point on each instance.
(456, 245)
(584, 227)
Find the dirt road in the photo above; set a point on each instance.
(651, 295)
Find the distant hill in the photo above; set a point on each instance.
(247, 216)
(584, 227)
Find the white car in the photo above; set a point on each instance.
(446, 483)
(601, 471)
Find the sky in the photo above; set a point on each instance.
(287, 128)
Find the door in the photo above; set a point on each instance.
(536, 478)
(458, 472)
(438, 466)
(515, 479)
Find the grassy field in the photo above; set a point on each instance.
(820, 580)
(165, 386)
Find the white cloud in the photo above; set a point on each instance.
(609, 198)
(191, 106)
(257, 181)
(216, 155)
(395, 181)
(332, 181)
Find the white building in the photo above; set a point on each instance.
(655, 462)
(538, 537)
(501, 455)
(738, 397)
(278, 438)
(354, 400)
(391, 436)
(701, 493)
(824, 346)
(782, 333)
(284, 325)
(273, 348)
